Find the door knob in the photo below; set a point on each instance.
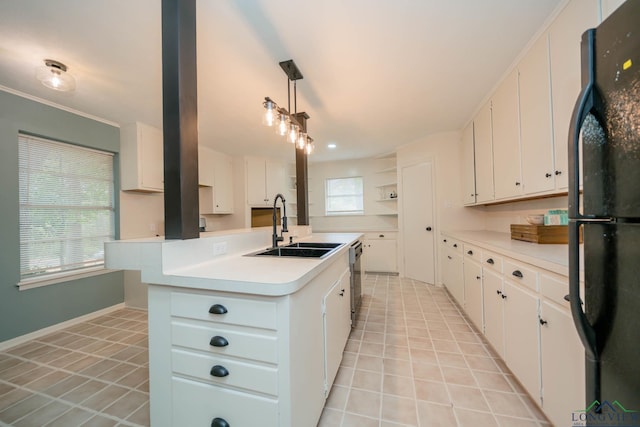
(428, 228)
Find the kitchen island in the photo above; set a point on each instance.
(237, 340)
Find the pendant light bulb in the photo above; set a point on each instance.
(302, 141)
(293, 133)
(309, 148)
(283, 124)
(269, 116)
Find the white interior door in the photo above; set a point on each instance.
(418, 227)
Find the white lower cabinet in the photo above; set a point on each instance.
(452, 269)
(521, 336)
(227, 359)
(473, 287)
(380, 252)
(493, 310)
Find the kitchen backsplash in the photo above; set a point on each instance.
(500, 217)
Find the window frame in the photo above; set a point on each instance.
(327, 197)
(58, 273)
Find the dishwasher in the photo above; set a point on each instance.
(355, 253)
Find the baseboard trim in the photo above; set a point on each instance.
(4, 345)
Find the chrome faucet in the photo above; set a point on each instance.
(275, 238)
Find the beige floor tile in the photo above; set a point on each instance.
(127, 404)
(507, 404)
(16, 370)
(353, 346)
(43, 415)
(367, 380)
(353, 420)
(374, 327)
(74, 417)
(117, 372)
(446, 346)
(100, 367)
(434, 415)
(460, 376)
(427, 371)
(141, 416)
(349, 359)
(421, 355)
(396, 352)
(423, 342)
(396, 339)
(468, 418)
(144, 387)
(82, 364)
(330, 418)
(65, 386)
(5, 388)
(482, 363)
(23, 407)
(455, 360)
(432, 391)
(399, 410)
(31, 375)
(492, 381)
(344, 377)
(12, 397)
(83, 392)
(8, 362)
(398, 386)
(467, 398)
(396, 367)
(52, 355)
(505, 421)
(337, 398)
(47, 381)
(104, 398)
(363, 402)
(67, 359)
(372, 349)
(441, 334)
(135, 378)
(100, 421)
(369, 363)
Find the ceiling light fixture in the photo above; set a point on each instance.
(292, 126)
(54, 75)
(331, 145)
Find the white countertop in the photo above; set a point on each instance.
(552, 257)
(195, 263)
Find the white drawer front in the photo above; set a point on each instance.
(245, 312)
(492, 261)
(243, 375)
(196, 404)
(257, 346)
(519, 274)
(451, 243)
(473, 252)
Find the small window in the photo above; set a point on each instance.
(344, 196)
(66, 207)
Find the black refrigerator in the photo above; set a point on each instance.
(607, 211)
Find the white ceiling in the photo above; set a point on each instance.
(377, 73)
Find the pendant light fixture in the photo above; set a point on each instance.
(286, 123)
(54, 75)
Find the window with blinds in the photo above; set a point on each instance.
(66, 206)
(344, 196)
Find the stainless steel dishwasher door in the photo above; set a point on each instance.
(355, 255)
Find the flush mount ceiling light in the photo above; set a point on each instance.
(54, 75)
(292, 126)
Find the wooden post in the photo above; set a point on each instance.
(180, 119)
(302, 176)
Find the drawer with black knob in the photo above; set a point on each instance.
(224, 371)
(472, 252)
(224, 309)
(230, 340)
(492, 261)
(518, 273)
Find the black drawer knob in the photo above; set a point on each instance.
(547, 175)
(470, 252)
(499, 292)
(455, 245)
(490, 261)
(517, 274)
(543, 322)
(428, 228)
(444, 240)
(219, 371)
(218, 309)
(503, 296)
(558, 172)
(219, 341)
(478, 277)
(220, 422)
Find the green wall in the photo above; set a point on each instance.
(26, 311)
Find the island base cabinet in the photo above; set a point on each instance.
(521, 337)
(197, 405)
(563, 381)
(337, 326)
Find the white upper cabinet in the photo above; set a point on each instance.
(483, 155)
(205, 166)
(141, 160)
(506, 138)
(536, 134)
(265, 179)
(564, 53)
(215, 176)
(468, 166)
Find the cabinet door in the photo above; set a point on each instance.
(493, 310)
(536, 134)
(564, 54)
(151, 158)
(563, 381)
(521, 336)
(380, 255)
(468, 167)
(337, 326)
(473, 292)
(484, 154)
(256, 182)
(453, 276)
(205, 167)
(506, 138)
(275, 180)
(223, 183)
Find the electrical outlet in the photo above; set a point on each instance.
(219, 248)
(152, 227)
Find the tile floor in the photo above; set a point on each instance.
(412, 360)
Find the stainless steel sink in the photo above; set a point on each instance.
(295, 252)
(314, 245)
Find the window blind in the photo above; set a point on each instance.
(67, 211)
(344, 196)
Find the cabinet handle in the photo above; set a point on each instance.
(218, 341)
(517, 274)
(428, 228)
(380, 235)
(220, 422)
(449, 256)
(548, 175)
(342, 293)
(218, 309)
(219, 371)
(469, 252)
(517, 183)
(558, 172)
(504, 296)
(472, 194)
(444, 240)
(542, 321)
(478, 277)
(490, 261)
(455, 245)
(499, 292)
